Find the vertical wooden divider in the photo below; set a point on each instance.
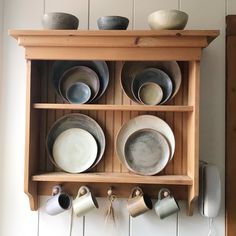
(108, 157)
(185, 115)
(118, 115)
(126, 115)
(43, 121)
(193, 133)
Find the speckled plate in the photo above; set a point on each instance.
(143, 122)
(75, 150)
(146, 152)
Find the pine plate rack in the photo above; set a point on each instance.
(43, 47)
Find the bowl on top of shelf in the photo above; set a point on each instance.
(75, 143)
(141, 144)
(112, 23)
(168, 20)
(94, 73)
(79, 84)
(60, 21)
(166, 71)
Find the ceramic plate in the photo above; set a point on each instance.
(75, 150)
(99, 67)
(143, 122)
(76, 120)
(156, 76)
(146, 152)
(132, 68)
(81, 74)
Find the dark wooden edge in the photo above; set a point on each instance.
(231, 25)
(230, 159)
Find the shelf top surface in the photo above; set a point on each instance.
(210, 34)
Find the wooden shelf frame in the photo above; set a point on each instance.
(186, 46)
(121, 178)
(104, 107)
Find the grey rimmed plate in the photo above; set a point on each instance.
(146, 152)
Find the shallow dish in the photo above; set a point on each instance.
(75, 150)
(132, 68)
(150, 93)
(146, 152)
(79, 74)
(156, 76)
(76, 120)
(112, 23)
(143, 122)
(59, 21)
(168, 20)
(99, 67)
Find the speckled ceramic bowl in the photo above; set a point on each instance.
(59, 21)
(168, 20)
(112, 23)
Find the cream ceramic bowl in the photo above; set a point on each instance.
(168, 20)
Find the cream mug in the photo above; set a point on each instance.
(138, 202)
(84, 202)
(167, 205)
(59, 202)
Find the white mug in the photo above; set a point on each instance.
(59, 202)
(84, 202)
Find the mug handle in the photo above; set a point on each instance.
(162, 191)
(134, 192)
(56, 189)
(81, 191)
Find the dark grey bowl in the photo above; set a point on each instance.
(60, 21)
(113, 23)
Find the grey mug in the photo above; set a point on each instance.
(165, 205)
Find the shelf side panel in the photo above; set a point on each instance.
(193, 133)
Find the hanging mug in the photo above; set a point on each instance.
(138, 202)
(84, 202)
(167, 205)
(59, 202)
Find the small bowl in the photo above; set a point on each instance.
(60, 21)
(150, 93)
(168, 20)
(79, 74)
(78, 93)
(112, 23)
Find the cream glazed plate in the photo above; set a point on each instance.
(75, 150)
(143, 122)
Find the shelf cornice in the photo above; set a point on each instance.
(102, 44)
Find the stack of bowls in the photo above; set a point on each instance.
(151, 82)
(80, 81)
(145, 144)
(75, 143)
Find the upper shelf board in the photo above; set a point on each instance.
(79, 44)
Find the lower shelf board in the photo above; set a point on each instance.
(118, 178)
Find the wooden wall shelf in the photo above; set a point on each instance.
(44, 107)
(105, 107)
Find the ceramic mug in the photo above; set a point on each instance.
(138, 202)
(84, 202)
(59, 202)
(167, 205)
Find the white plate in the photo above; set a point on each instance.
(143, 122)
(75, 150)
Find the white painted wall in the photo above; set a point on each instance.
(15, 216)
